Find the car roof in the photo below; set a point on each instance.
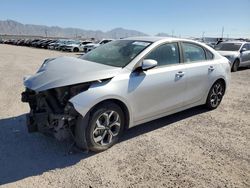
(106, 39)
(235, 41)
(155, 39)
(147, 38)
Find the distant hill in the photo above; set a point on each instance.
(11, 27)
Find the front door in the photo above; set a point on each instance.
(245, 56)
(160, 89)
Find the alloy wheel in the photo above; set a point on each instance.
(216, 95)
(107, 127)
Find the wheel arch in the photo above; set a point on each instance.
(121, 104)
(234, 61)
(237, 58)
(221, 80)
(208, 103)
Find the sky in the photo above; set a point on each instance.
(183, 18)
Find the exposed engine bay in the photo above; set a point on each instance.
(51, 112)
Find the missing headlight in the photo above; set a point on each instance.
(63, 94)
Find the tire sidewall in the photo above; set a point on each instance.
(75, 50)
(208, 102)
(235, 65)
(94, 115)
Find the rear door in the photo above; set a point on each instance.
(200, 68)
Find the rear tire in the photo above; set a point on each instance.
(235, 65)
(215, 95)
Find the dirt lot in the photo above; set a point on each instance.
(195, 148)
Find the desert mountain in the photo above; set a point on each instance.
(11, 27)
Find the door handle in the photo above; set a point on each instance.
(179, 74)
(211, 68)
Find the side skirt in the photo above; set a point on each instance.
(168, 113)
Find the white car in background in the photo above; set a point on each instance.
(92, 46)
(76, 46)
(121, 84)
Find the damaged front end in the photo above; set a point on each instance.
(51, 112)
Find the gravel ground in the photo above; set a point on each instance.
(194, 148)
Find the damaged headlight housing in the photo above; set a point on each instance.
(63, 94)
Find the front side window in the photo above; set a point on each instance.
(105, 41)
(84, 43)
(166, 54)
(247, 46)
(193, 52)
(244, 46)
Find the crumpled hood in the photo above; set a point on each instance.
(228, 53)
(65, 71)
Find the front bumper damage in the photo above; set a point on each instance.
(50, 115)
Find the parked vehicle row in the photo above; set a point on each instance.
(236, 51)
(92, 46)
(58, 44)
(39, 43)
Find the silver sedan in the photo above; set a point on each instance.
(237, 52)
(121, 84)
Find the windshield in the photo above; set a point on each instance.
(74, 42)
(105, 41)
(228, 46)
(70, 42)
(117, 53)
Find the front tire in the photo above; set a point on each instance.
(215, 95)
(105, 126)
(235, 65)
(75, 50)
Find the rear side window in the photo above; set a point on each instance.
(248, 46)
(209, 55)
(244, 46)
(165, 54)
(193, 52)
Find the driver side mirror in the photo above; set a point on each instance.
(243, 50)
(148, 64)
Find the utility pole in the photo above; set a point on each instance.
(222, 32)
(76, 34)
(46, 32)
(203, 34)
(172, 33)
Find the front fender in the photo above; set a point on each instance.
(86, 100)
